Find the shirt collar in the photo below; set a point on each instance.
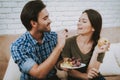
(46, 37)
(31, 39)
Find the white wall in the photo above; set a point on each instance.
(63, 13)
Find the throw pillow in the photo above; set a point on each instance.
(110, 65)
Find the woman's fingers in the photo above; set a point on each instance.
(93, 73)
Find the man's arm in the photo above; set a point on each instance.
(40, 71)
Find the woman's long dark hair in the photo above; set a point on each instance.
(96, 22)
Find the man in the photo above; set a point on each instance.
(37, 51)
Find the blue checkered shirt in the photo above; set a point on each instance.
(26, 52)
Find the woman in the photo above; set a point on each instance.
(84, 46)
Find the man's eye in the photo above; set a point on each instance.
(45, 18)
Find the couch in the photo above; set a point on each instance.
(110, 67)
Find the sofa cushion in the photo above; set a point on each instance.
(116, 50)
(110, 65)
(12, 72)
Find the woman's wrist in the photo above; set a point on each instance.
(95, 53)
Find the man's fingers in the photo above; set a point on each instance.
(66, 30)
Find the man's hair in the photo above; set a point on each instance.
(30, 12)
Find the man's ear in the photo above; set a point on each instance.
(33, 23)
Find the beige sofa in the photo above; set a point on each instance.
(110, 67)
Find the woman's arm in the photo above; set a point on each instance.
(93, 62)
(77, 74)
(93, 67)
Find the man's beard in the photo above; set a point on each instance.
(48, 30)
(44, 30)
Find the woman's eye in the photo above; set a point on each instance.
(84, 21)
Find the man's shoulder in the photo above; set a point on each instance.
(20, 40)
(51, 34)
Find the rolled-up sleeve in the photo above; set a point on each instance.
(26, 66)
(20, 57)
(100, 57)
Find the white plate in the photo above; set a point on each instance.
(82, 65)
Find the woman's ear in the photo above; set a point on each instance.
(93, 29)
(33, 23)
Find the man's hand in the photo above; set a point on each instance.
(62, 37)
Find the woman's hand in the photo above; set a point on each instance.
(64, 69)
(102, 46)
(102, 49)
(92, 73)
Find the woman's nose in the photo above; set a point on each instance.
(79, 23)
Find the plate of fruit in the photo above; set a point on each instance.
(72, 63)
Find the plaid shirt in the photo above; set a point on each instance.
(26, 52)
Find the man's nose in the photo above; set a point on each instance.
(49, 21)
